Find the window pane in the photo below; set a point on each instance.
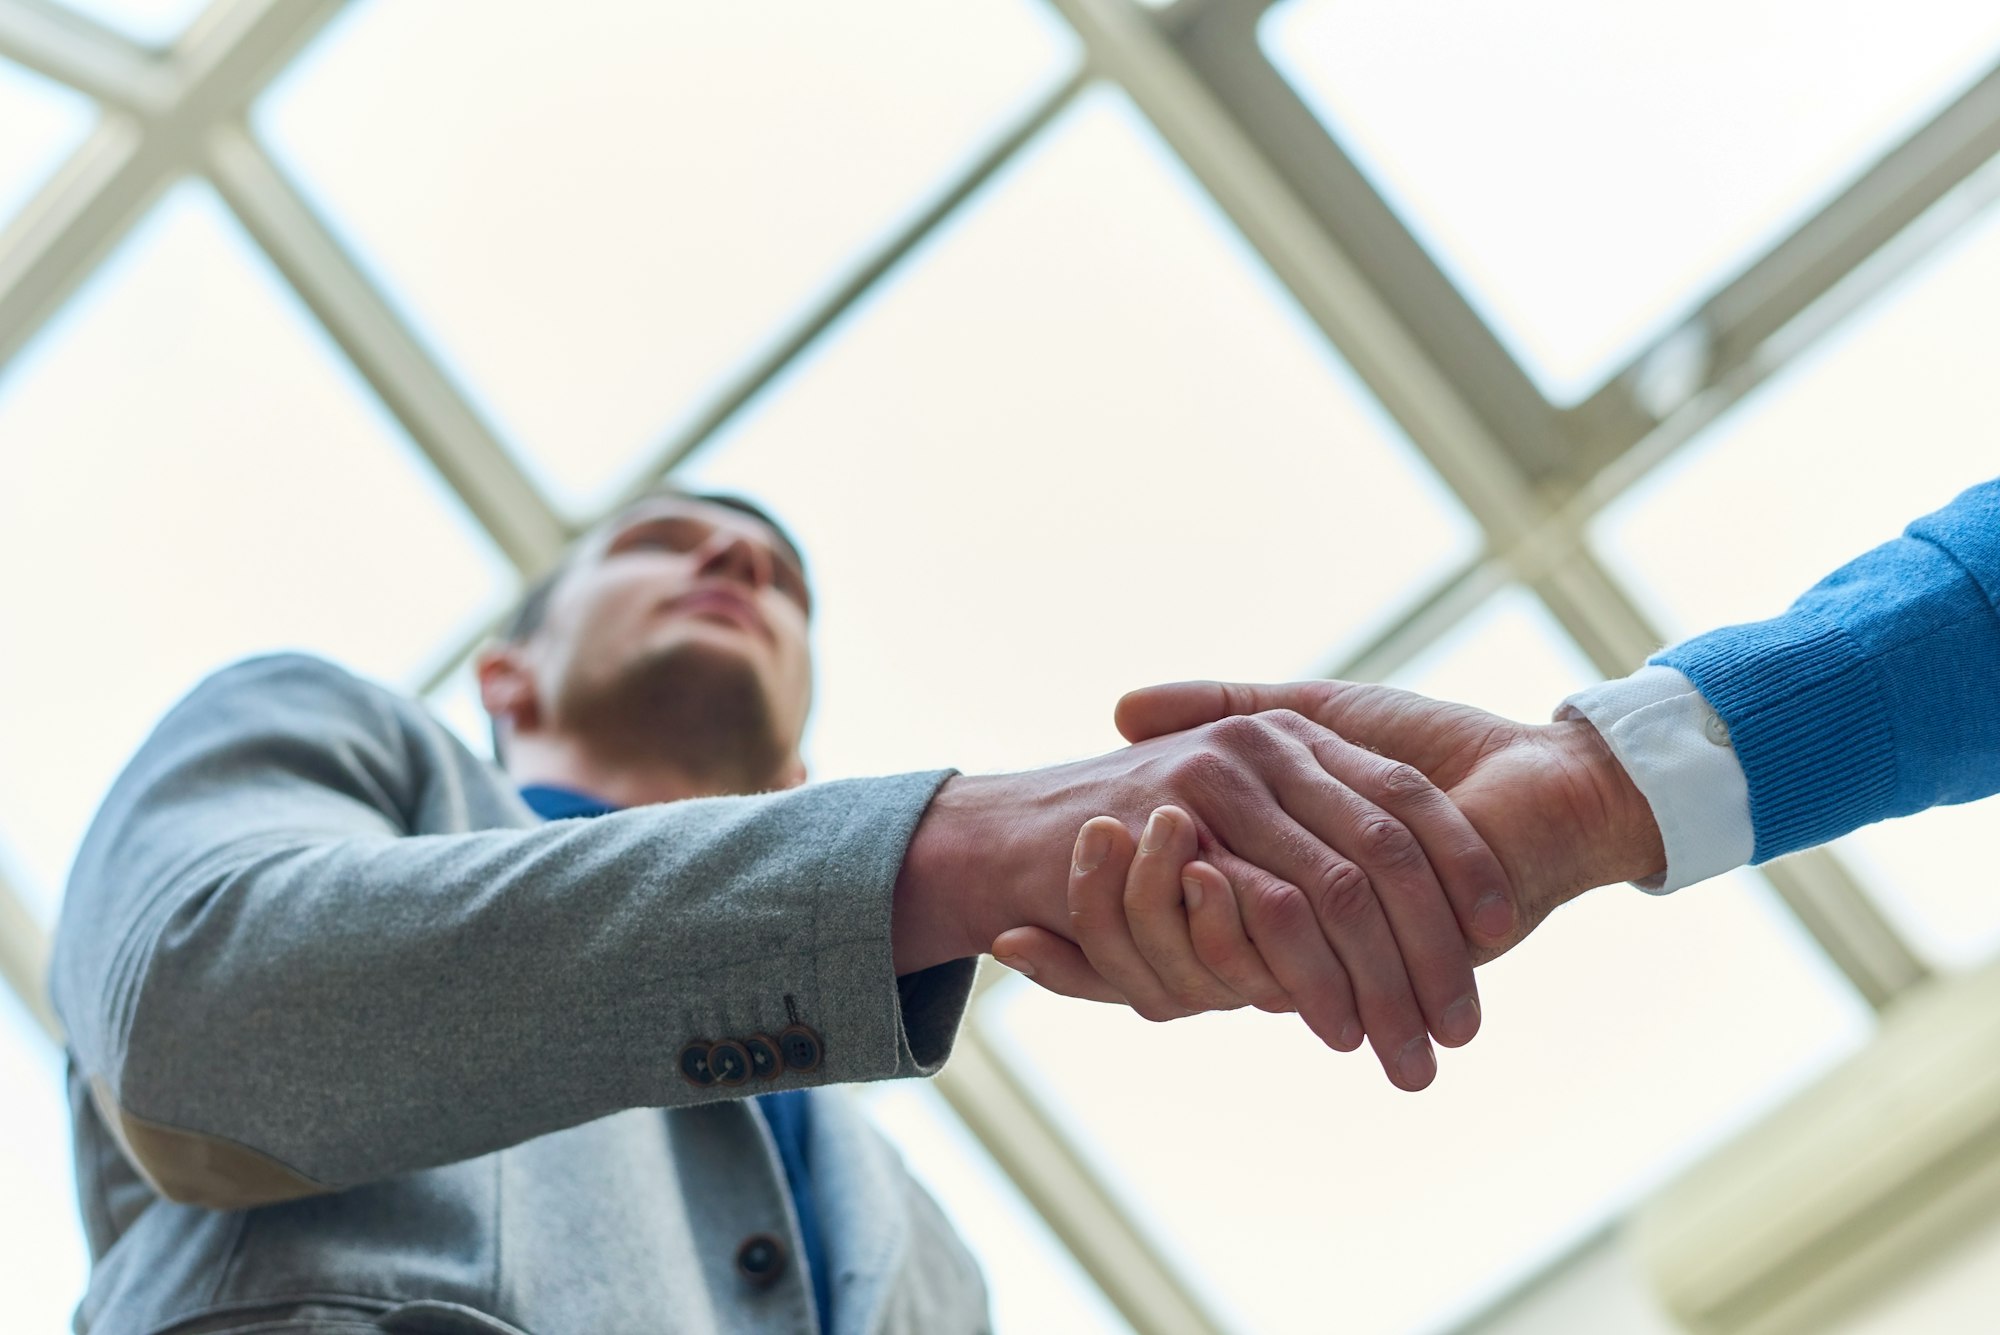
(596, 219)
(194, 475)
(1587, 173)
(1885, 421)
(154, 22)
(1037, 1287)
(40, 123)
(42, 1256)
(1621, 1040)
(1083, 442)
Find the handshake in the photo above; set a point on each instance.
(1346, 852)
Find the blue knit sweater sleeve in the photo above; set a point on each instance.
(1878, 693)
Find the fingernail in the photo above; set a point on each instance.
(1093, 845)
(1493, 917)
(1017, 964)
(1350, 1037)
(1191, 893)
(1416, 1065)
(1159, 829)
(1461, 1020)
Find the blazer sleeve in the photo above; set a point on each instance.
(276, 985)
(1877, 693)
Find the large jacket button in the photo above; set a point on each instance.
(694, 1064)
(760, 1260)
(801, 1047)
(729, 1062)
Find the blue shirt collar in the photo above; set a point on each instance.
(553, 803)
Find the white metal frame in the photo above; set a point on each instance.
(1531, 473)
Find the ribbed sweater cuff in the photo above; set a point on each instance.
(1807, 715)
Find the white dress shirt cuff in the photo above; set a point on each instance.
(1678, 753)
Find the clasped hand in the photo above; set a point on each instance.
(1437, 836)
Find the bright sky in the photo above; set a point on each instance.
(1082, 440)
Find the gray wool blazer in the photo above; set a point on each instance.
(358, 1044)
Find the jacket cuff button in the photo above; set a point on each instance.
(765, 1063)
(729, 1063)
(801, 1048)
(694, 1065)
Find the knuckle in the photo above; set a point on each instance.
(1400, 782)
(1479, 868)
(1290, 721)
(1276, 906)
(1385, 842)
(1345, 897)
(1205, 769)
(1242, 731)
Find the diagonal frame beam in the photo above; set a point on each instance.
(65, 46)
(147, 138)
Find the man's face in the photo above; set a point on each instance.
(681, 625)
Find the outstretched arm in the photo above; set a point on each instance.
(1876, 694)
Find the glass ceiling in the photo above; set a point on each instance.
(1082, 438)
(1589, 173)
(563, 207)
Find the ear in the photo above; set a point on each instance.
(507, 686)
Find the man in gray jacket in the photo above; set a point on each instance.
(367, 1035)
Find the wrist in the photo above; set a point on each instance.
(1621, 841)
(951, 878)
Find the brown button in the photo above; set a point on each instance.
(694, 1064)
(765, 1063)
(800, 1047)
(730, 1063)
(760, 1260)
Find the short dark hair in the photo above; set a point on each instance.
(532, 609)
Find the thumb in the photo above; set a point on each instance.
(1054, 963)
(1155, 711)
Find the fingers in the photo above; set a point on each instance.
(1053, 963)
(1351, 861)
(1098, 871)
(1155, 912)
(1280, 924)
(1475, 886)
(1165, 902)
(1388, 872)
(1216, 929)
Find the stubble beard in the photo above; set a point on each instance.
(700, 711)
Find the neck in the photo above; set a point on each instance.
(562, 762)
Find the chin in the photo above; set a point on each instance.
(700, 701)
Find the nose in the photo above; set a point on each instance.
(734, 555)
